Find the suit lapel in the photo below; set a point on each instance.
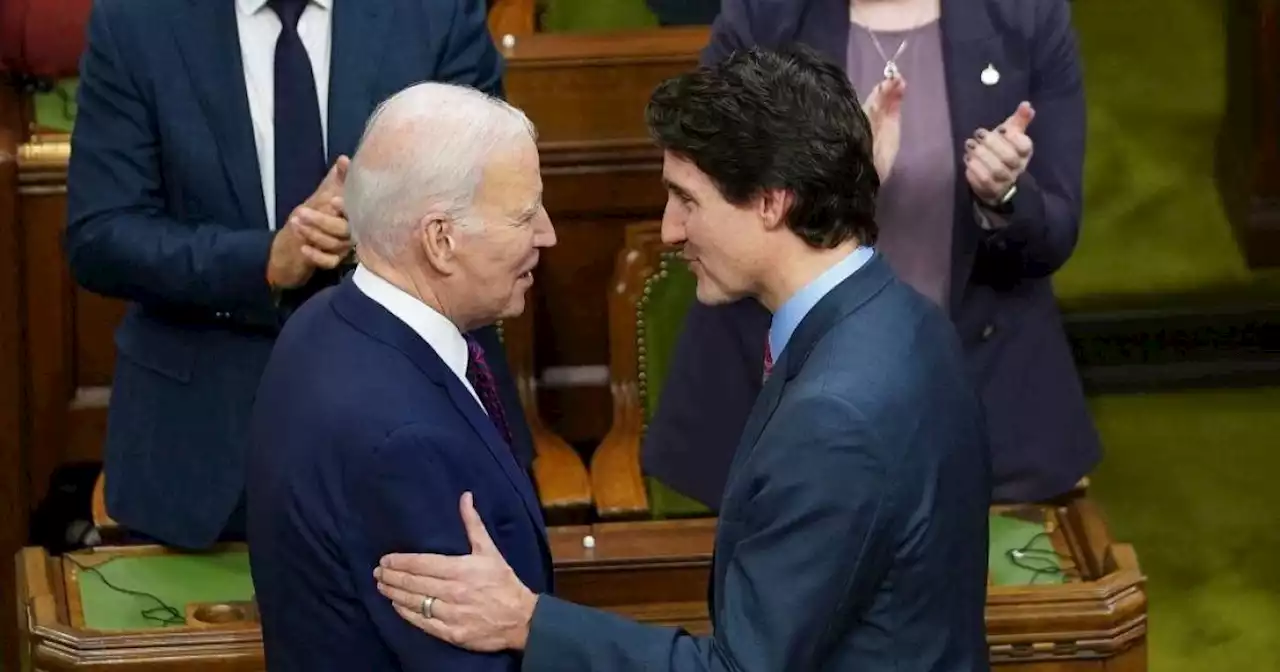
(374, 320)
(209, 41)
(498, 447)
(969, 45)
(843, 300)
(357, 46)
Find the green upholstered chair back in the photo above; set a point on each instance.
(668, 293)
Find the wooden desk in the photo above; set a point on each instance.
(1089, 614)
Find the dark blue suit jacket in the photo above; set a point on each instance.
(1042, 438)
(853, 531)
(362, 441)
(166, 212)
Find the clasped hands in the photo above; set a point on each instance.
(315, 236)
(993, 160)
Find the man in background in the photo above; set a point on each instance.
(377, 411)
(207, 164)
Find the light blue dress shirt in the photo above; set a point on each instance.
(793, 311)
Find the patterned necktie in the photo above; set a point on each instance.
(481, 378)
(768, 360)
(299, 139)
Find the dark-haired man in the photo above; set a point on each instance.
(853, 530)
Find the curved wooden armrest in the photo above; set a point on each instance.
(564, 490)
(101, 519)
(616, 479)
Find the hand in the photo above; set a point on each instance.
(331, 186)
(994, 160)
(883, 108)
(479, 603)
(315, 236)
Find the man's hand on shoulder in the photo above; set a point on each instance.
(316, 236)
(474, 601)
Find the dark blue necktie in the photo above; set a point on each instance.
(299, 146)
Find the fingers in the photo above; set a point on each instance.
(481, 543)
(340, 168)
(332, 225)
(988, 160)
(979, 178)
(434, 626)
(1000, 146)
(412, 588)
(1020, 142)
(1021, 118)
(424, 564)
(325, 260)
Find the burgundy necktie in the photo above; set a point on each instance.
(482, 381)
(768, 360)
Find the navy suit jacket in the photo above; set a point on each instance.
(165, 211)
(853, 531)
(362, 441)
(1002, 305)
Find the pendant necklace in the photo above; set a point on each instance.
(890, 64)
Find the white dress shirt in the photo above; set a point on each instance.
(436, 329)
(259, 29)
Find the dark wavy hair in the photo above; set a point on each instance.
(785, 119)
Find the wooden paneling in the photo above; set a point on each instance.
(13, 496)
(587, 94)
(69, 331)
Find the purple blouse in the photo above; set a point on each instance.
(916, 205)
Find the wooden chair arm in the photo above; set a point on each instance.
(616, 479)
(564, 489)
(101, 520)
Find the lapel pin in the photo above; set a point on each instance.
(990, 75)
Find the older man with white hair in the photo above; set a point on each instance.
(378, 411)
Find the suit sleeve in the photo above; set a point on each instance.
(814, 546)
(470, 57)
(120, 241)
(1043, 229)
(405, 499)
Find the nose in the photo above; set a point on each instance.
(544, 234)
(673, 230)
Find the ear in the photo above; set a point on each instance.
(437, 236)
(772, 206)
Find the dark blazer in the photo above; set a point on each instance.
(165, 211)
(361, 443)
(853, 531)
(1042, 438)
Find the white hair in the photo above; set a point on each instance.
(424, 149)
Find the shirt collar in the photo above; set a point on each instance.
(442, 335)
(794, 310)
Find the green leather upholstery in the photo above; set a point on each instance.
(573, 16)
(174, 579)
(667, 296)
